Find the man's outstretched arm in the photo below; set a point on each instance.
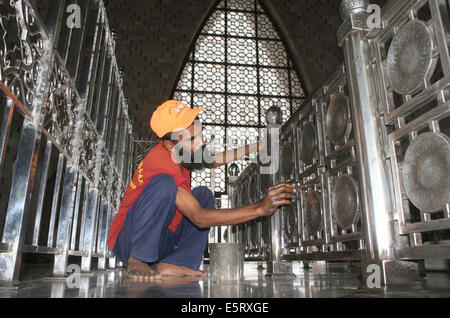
(277, 195)
(229, 156)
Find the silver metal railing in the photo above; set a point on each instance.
(66, 139)
(369, 149)
(417, 113)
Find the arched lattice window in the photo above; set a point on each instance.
(237, 68)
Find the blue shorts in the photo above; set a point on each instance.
(145, 235)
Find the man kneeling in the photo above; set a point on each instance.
(161, 219)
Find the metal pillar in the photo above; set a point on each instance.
(233, 173)
(370, 134)
(276, 266)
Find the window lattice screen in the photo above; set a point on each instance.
(237, 69)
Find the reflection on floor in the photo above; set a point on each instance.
(321, 280)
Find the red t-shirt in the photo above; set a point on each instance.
(157, 161)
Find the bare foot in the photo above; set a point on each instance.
(179, 281)
(138, 270)
(175, 270)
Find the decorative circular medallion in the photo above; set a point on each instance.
(346, 201)
(426, 172)
(288, 164)
(313, 213)
(410, 57)
(338, 119)
(308, 144)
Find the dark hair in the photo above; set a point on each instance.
(167, 136)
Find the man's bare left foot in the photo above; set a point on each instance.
(138, 270)
(175, 270)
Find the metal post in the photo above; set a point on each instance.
(233, 173)
(91, 216)
(42, 188)
(370, 134)
(68, 199)
(103, 233)
(275, 266)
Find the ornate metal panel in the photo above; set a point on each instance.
(409, 73)
(24, 41)
(340, 179)
(412, 68)
(71, 132)
(309, 157)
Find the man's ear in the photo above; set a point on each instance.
(168, 144)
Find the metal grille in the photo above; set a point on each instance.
(237, 69)
(342, 221)
(371, 149)
(65, 153)
(247, 191)
(415, 106)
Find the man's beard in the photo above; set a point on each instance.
(199, 159)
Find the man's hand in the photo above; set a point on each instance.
(188, 205)
(276, 195)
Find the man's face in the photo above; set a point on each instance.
(191, 150)
(191, 139)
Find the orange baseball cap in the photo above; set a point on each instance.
(172, 115)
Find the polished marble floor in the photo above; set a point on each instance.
(320, 281)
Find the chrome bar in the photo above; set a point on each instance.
(101, 88)
(77, 253)
(432, 251)
(112, 129)
(116, 133)
(41, 249)
(121, 148)
(89, 226)
(76, 212)
(88, 60)
(4, 129)
(353, 255)
(95, 67)
(432, 225)
(42, 190)
(369, 150)
(87, 188)
(92, 211)
(59, 172)
(104, 100)
(96, 224)
(65, 219)
(102, 237)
